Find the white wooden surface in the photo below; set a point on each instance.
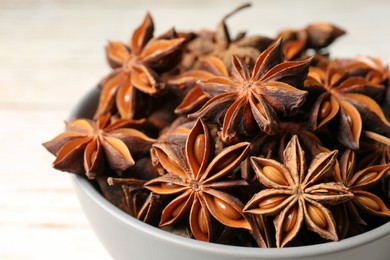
(51, 54)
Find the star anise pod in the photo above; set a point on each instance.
(114, 194)
(357, 183)
(315, 36)
(248, 101)
(134, 198)
(91, 147)
(296, 194)
(222, 45)
(272, 146)
(371, 69)
(135, 68)
(343, 105)
(195, 98)
(375, 149)
(198, 179)
(177, 133)
(247, 48)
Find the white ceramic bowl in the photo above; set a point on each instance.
(125, 237)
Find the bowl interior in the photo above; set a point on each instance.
(87, 107)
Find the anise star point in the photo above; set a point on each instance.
(135, 69)
(250, 100)
(294, 194)
(90, 147)
(198, 180)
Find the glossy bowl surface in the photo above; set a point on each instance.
(125, 237)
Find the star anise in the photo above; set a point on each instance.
(371, 69)
(247, 48)
(375, 149)
(134, 198)
(195, 98)
(357, 183)
(272, 146)
(136, 67)
(295, 194)
(198, 179)
(343, 105)
(91, 147)
(315, 36)
(248, 101)
(177, 133)
(221, 44)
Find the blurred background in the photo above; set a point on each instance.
(52, 54)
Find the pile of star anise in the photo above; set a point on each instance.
(245, 140)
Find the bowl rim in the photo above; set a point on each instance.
(302, 251)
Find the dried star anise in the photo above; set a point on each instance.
(370, 68)
(222, 45)
(206, 135)
(136, 200)
(248, 101)
(316, 36)
(136, 67)
(295, 194)
(196, 98)
(357, 183)
(272, 146)
(375, 149)
(91, 147)
(198, 179)
(343, 105)
(177, 134)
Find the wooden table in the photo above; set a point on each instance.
(51, 54)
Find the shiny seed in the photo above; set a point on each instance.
(367, 178)
(199, 147)
(317, 216)
(325, 109)
(227, 210)
(349, 120)
(324, 191)
(272, 201)
(169, 185)
(202, 221)
(290, 220)
(318, 191)
(368, 202)
(93, 154)
(274, 175)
